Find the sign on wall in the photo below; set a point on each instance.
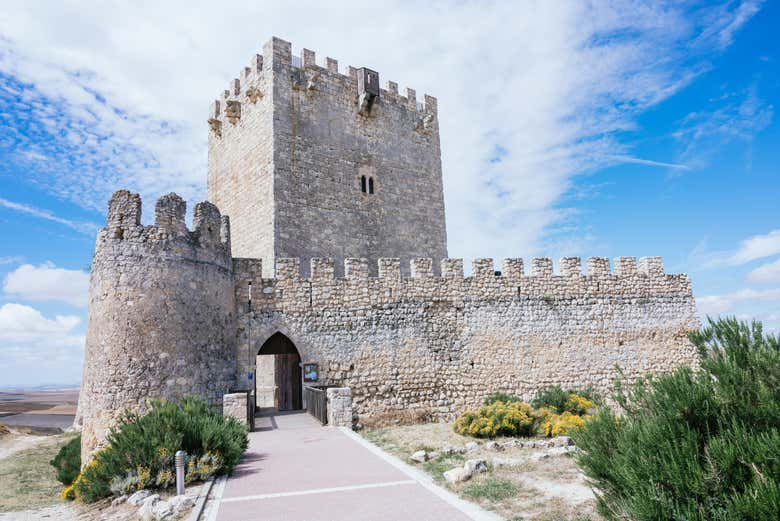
(310, 372)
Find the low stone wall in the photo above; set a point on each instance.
(339, 407)
(236, 405)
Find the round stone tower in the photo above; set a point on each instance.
(162, 318)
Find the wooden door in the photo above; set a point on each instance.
(288, 381)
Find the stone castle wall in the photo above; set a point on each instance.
(241, 159)
(287, 165)
(161, 313)
(440, 344)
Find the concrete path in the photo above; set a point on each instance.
(297, 470)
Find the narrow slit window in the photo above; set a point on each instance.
(363, 184)
(370, 185)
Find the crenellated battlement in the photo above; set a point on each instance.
(254, 83)
(211, 231)
(483, 268)
(321, 288)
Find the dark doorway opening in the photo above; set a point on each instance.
(287, 377)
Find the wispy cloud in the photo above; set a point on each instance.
(726, 20)
(648, 162)
(79, 226)
(11, 259)
(749, 249)
(766, 274)
(735, 118)
(720, 304)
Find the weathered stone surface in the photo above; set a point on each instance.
(296, 157)
(172, 313)
(560, 451)
(475, 466)
(472, 446)
(562, 441)
(339, 407)
(505, 462)
(420, 456)
(146, 512)
(235, 405)
(162, 510)
(181, 503)
(136, 498)
(457, 475)
(161, 314)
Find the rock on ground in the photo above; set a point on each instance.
(138, 497)
(420, 456)
(457, 475)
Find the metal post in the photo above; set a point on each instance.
(179, 459)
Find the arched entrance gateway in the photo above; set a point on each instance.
(279, 381)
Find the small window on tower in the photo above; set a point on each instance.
(371, 185)
(363, 184)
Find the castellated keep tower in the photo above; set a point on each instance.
(335, 275)
(309, 162)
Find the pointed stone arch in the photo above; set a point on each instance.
(279, 371)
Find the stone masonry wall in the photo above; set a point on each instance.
(162, 320)
(292, 162)
(240, 159)
(440, 344)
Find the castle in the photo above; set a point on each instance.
(334, 261)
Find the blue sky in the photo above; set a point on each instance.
(598, 129)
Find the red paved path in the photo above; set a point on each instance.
(296, 470)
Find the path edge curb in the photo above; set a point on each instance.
(475, 512)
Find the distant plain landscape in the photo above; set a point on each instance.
(41, 410)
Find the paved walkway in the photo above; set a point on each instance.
(297, 470)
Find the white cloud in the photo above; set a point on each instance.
(20, 324)
(79, 226)
(766, 273)
(35, 349)
(550, 83)
(47, 282)
(720, 304)
(750, 249)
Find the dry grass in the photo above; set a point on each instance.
(27, 480)
(551, 489)
(395, 418)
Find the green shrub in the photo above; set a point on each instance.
(498, 419)
(575, 401)
(694, 445)
(68, 461)
(500, 397)
(140, 451)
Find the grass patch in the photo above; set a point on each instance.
(490, 488)
(437, 467)
(27, 480)
(379, 436)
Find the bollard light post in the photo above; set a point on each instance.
(179, 459)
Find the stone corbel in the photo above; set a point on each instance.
(253, 94)
(216, 126)
(233, 111)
